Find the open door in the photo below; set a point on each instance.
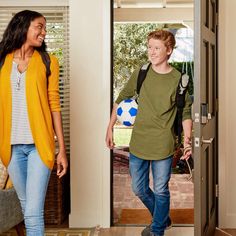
(205, 118)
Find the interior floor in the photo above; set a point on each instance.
(174, 231)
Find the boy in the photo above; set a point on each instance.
(153, 140)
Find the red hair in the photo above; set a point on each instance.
(166, 36)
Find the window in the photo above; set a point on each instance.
(57, 41)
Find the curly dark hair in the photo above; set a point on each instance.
(15, 34)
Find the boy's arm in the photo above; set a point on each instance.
(187, 128)
(127, 92)
(129, 89)
(109, 135)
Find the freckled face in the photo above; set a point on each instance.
(36, 32)
(157, 51)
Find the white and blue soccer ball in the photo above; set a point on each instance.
(127, 111)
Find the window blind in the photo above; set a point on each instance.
(57, 41)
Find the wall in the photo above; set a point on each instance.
(227, 114)
(90, 110)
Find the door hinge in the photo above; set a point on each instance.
(217, 190)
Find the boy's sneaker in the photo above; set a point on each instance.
(147, 230)
(169, 224)
(152, 234)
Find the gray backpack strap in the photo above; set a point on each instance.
(180, 103)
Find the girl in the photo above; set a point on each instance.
(30, 114)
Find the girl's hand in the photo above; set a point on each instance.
(62, 164)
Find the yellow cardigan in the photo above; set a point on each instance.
(42, 99)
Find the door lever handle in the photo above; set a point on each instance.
(207, 141)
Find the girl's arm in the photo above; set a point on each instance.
(62, 163)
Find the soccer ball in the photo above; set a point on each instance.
(127, 111)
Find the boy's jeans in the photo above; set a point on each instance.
(30, 178)
(157, 200)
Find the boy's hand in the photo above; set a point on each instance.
(109, 139)
(187, 152)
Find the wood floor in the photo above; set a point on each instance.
(136, 231)
(124, 231)
(174, 231)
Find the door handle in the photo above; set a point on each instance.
(207, 141)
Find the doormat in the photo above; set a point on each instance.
(224, 232)
(58, 232)
(143, 217)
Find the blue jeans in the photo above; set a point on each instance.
(30, 178)
(157, 200)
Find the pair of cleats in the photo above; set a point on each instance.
(147, 230)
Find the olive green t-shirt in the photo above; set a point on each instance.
(153, 132)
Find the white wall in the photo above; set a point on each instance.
(227, 112)
(90, 102)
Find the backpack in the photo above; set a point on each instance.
(179, 98)
(46, 61)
